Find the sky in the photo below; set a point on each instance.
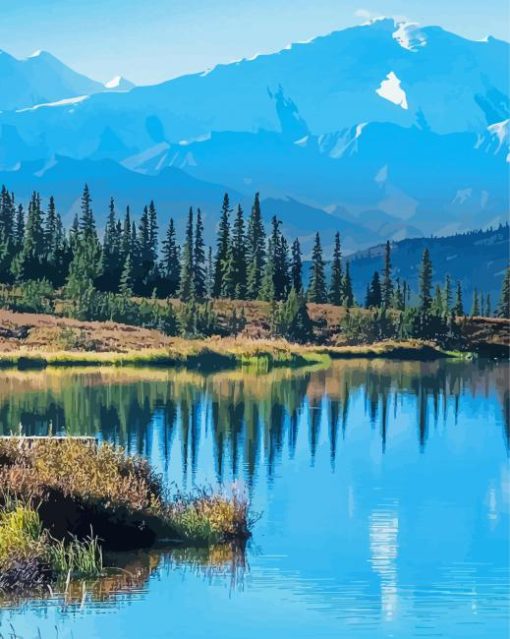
(149, 41)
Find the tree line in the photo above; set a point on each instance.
(100, 276)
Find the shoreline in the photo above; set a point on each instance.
(214, 355)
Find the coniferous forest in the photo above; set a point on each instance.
(134, 271)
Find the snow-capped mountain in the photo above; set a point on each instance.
(43, 79)
(402, 125)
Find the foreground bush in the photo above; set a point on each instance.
(65, 499)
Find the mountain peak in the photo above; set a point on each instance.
(119, 83)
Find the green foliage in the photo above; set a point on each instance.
(317, 288)
(76, 557)
(36, 296)
(292, 319)
(504, 300)
(336, 285)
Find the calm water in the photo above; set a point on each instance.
(384, 489)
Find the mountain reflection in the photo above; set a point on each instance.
(248, 419)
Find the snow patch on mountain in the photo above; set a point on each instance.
(58, 103)
(118, 83)
(391, 90)
(409, 36)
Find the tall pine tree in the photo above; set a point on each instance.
(255, 250)
(335, 288)
(317, 289)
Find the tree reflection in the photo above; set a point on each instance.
(245, 420)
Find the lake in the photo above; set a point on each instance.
(383, 490)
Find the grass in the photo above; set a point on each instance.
(65, 500)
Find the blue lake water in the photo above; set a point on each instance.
(383, 489)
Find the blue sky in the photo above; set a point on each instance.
(152, 40)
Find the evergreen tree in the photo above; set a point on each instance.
(347, 292)
(317, 288)
(504, 299)
(239, 255)
(255, 250)
(209, 273)
(398, 297)
(223, 242)
(87, 222)
(293, 321)
(458, 307)
(19, 227)
(475, 309)
(488, 305)
(447, 299)
(228, 282)
(267, 289)
(335, 288)
(437, 304)
(127, 242)
(199, 283)
(374, 292)
(170, 268)
(387, 283)
(127, 278)
(186, 289)
(28, 263)
(7, 216)
(111, 259)
(425, 282)
(297, 267)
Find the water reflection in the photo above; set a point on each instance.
(384, 490)
(249, 416)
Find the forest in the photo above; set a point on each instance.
(134, 272)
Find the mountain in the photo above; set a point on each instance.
(396, 129)
(173, 192)
(43, 79)
(477, 259)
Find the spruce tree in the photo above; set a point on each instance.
(222, 246)
(475, 309)
(87, 222)
(229, 280)
(374, 293)
(347, 291)
(504, 299)
(19, 227)
(447, 298)
(297, 267)
(199, 283)
(387, 283)
(186, 288)
(438, 303)
(458, 307)
(317, 289)
(127, 278)
(425, 282)
(267, 289)
(488, 305)
(255, 250)
(209, 273)
(239, 255)
(398, 296)
(111, 264)
(28, 263)
(170, 268)
(335, 288)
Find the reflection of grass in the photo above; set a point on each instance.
(65, 488)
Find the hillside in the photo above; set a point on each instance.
(477, 259)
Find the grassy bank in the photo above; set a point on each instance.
(213, 355)
(65, 500)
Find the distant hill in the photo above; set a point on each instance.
(478, 259)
